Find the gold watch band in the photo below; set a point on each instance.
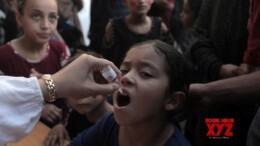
(50, 86)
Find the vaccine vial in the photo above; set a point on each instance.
(109, 74)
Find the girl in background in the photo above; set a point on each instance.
(123, 32)
(33, 53)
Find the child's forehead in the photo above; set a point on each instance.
(144, 53)
(141, 50)
(46, 5)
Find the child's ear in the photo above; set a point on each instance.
(174, 101)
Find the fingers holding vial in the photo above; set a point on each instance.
(105, 75)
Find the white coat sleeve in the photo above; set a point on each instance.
(21, 104)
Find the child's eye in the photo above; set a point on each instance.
(146, 75)
(124, 71)
(53, 18)
(36, 16)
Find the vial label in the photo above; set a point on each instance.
(108, 73)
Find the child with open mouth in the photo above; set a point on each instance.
(153, 91)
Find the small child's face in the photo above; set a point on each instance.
(39, 19)
(187, 15)
(66, 8)
(86, 105)
(139, 6)
(143, 84)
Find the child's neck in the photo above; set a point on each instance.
(140, 25)
(137, 19)
(147, 134)
(30, 50)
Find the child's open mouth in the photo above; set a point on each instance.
(122, 99)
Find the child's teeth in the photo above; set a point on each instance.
(120, 91)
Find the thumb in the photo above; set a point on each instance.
(106, 89)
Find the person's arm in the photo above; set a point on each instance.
(252, 54)
(202, 54)
(22, 99)
(20, 107)
(241, 89)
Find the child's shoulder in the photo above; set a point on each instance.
(106, 127)
(56, 43)
(60, 49)
(6, 49)
(108, 120)
(177, 139)
(5, 46)
(104, 132)
(58, 46)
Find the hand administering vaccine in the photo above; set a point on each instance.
(76, 80)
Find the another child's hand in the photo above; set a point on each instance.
(57, 136)
(1, 73)
(34, 73)
(51, 113)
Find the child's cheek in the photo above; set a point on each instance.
(133, 3)
(150, 2)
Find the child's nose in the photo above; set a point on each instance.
(45, 23)
(127, 80)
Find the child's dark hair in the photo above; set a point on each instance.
(195, 6)
(176, 67)
(20, 6)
